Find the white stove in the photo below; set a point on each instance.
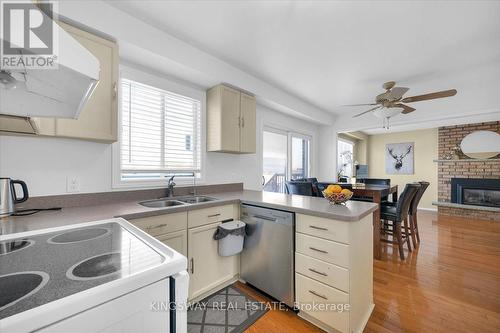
(103, 276)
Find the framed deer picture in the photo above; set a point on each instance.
(399, 158)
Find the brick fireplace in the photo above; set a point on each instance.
(463, 172)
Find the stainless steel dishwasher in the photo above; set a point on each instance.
(267, 260)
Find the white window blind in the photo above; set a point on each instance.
(160, 132)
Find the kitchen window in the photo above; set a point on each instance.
(285, 156)
(160, 133)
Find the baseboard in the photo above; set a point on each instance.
(214, 289)
(317, 323)
(366, 317)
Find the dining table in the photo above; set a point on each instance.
(374, 193)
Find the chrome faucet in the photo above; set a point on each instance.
(170, 189)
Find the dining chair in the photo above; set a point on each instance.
(314, 182)
(412, 214)
(301, 188)
(398, 215)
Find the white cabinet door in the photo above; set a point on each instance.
(206, 268)
(176, 240)
(248, 124)
(230, 114)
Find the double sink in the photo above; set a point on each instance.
(170, 202)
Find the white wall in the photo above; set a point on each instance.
(45, 163)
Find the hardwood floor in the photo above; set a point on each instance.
(451, 283)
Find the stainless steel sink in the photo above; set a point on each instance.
(196, 199)
(161, 203)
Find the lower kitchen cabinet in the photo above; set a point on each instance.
(206, 268)
(176, 240)
(334, 268)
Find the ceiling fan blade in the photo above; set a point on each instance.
(397, 92)
(434, 95)
(360, 104)
(407, 109)
(372, 109)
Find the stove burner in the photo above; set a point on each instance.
(17, 286)
(10, 246)
(96, 267)
(79, 235)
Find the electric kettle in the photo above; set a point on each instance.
(8, 196)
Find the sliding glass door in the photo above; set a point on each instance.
(286, 156)
(274, 161)
(300, 157)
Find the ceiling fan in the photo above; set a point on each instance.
(390, 103)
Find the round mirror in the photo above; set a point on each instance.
(481, 144)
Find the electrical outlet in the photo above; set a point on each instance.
(72, 184)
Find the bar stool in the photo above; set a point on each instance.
(413, 213)
(398, 214)
(413, 224)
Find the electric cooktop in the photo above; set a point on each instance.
(43, 268)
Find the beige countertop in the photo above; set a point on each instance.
(352, 211)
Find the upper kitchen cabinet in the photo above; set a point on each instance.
(98, 119)
(231, 121)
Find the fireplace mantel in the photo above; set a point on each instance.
(468, 160)
(449, 138)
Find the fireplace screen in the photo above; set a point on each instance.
(481, 197)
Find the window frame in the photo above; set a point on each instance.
(174, 86)
(290, 134)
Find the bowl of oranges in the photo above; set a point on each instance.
(336, 194)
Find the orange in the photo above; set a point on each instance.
(334, 188)
(346, 192)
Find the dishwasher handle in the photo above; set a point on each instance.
(262, 217)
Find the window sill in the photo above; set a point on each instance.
(145, 184)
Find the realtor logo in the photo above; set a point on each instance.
(27, 36)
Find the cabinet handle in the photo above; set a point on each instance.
(265, 218)
(115, 91)
(318, 250)
(192, 265)
(214, 215)
(239, 121)
(157, 226)
(315, 271)
(318, 228)
(316, 294)
(242, 122)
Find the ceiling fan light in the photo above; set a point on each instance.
(384, 113)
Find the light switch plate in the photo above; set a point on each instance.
(72, 184)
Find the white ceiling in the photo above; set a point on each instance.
(331, 53)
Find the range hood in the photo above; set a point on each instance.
(55, 93)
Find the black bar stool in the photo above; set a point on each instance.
(398, 214)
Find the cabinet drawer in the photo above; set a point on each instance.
(332, 252)
(332, 275)
(204, 216)
(311, 292)
(324, 228)
(162, 224)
